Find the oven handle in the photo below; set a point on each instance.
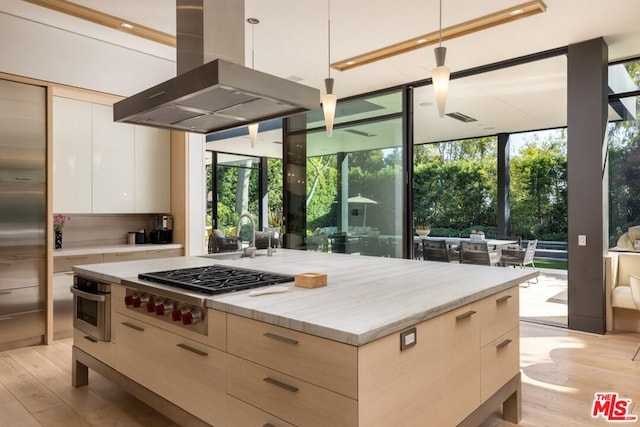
(87, 295)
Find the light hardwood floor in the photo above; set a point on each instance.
(562, 370)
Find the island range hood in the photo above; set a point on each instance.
(220, 94)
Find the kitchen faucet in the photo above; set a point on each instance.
(249, 251)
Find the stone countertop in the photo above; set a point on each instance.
(110, 249)
(366, 298)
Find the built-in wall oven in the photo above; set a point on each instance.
(92, 307)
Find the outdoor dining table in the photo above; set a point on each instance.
(494, 243)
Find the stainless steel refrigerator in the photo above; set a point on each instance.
(22, 214)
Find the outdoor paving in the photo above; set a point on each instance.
(545, 301)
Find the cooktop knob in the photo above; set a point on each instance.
(140, 300)
(176, 313)
(192, 316)
(153, 303)
(128, 300)
(166, 307)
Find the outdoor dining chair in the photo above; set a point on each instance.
(478, 253)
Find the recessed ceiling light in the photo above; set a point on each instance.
(126, 25)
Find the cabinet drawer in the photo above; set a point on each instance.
(21, 273)
(125, 256)
(21, 328)
(289, 398)
(22, 300)
(164, 253)
(240, 414)
(103, 351)
(499, 314)
(317, 360)
(185, 372)
(500, 361)
(64, 263)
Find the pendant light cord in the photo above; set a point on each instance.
(329, 37)
(440, 23)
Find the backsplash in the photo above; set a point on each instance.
(84, 230)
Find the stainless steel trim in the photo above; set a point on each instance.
(192, 350)
(89, 296)
(280, 384)
(167, 292)
(504, 343)
(280, 338)
(504, 298)
(465, 315)
(132, 326)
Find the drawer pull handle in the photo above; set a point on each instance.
(465, 315)
(268, 425)
(88, 295)
(503, 298)
(193, 350)
(280, 384)
(92, 339)
(132, 326)
(504, 343)
(280, 338)
(5, 292)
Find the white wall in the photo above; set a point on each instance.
(31, 49)
(197, 195)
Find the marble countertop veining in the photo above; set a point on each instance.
(365, 298)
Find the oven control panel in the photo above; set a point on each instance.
(168, 310)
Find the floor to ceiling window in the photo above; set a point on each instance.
(454, 187)
(355, 179)
(624, 153)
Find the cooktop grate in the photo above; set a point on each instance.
(215, 279)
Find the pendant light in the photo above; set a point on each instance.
(440, 75)
(253, 127)
(329, 100)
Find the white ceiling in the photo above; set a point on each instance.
(291, 41)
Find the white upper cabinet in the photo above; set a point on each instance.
(113, 163)
(101, 166)
(153, 181)
(71, 156)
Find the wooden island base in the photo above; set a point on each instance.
(509, 397)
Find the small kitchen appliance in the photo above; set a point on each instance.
(162, 231)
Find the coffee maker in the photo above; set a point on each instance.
(162, 231)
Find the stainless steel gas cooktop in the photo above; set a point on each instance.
(215, 279)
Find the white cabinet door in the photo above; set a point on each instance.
(152, 170)
(71, 156)
(113, 163)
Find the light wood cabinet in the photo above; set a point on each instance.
(317, 360)
(460, 360)
(163, 253)
(241, 414)
(103, 351)
(124, 256)
(189, 374)
(292, 399)
(435, 382)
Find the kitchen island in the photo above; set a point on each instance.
(386, 342)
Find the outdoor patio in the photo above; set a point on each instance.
(545, 301)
